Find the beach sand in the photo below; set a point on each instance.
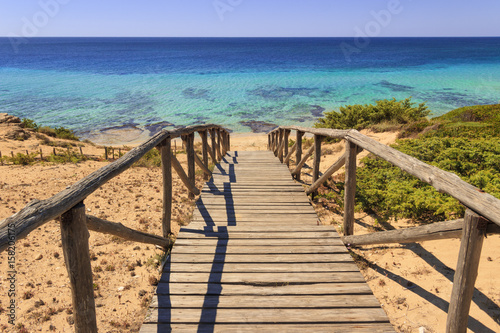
(411, 282)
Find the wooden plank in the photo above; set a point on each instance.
(328, 288)
(275, 327)
(262, 278)
(277, 315)
(257, 228)
(261, 267)
(317, 157)
(186, 234)
(281, 249)
(253, 242)
(263, 301)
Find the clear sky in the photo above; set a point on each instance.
(247, 18)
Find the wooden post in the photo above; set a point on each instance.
(54, 151)
(219, 153)
(27, 153)
(466, 273)
(189, 143)
(113, 153)
(106, 153)
(349, 187)
(12, 153)
(228, 148)
(269, 142)
(285, 147)
(81, 151)
(281, 145)
(298, 151)
(166, 167)
(317, 158)
(41, 154)
(214, 143)
(74, 236)
(204, 143)
(224, 143)
(1, 160)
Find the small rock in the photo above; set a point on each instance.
(40, 256)
(8, 119)
(121, 288)
(142, 292)
(17, 133)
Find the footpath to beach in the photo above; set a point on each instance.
(254, 257)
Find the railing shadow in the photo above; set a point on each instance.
(209, 309)
(482, 301)
(474, 325)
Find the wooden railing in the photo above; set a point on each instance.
(482, 215)
(68, 206)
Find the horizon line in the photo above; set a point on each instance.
(249, 37)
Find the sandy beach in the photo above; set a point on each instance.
(412, 282)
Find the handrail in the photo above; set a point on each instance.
(38, 212)
(472, 229)
(446, 182)
(74, 223)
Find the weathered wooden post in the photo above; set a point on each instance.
(224, 142)
(74, 236)
(474, 229)
(41, 154)
(214, 143)
(54, 151)
(228, 141)
(106, 153)
(269, 142)
(298, 151)
(219, 153)
(349, 187)
(281, 145)
(287, 135)
(81, 151)
(189, 143)
(1, 160)
(166, 167)
(317, 159)
(204, 143)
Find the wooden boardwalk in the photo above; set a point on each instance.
(254, 258)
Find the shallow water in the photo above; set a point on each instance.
(88, 84)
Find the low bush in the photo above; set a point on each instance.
(387, 112)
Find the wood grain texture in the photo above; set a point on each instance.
(466, 272)
(38, 212)
(255, 255)
(118, 229)
(166, 167)
(349, 188)
(74, 238)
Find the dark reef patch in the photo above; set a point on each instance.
(394, 86)
(156, 127)
(280, 93)
(193, 93)
(258, 126)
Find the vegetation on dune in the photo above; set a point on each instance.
(465, 141)
(57, 132)
(384, 113)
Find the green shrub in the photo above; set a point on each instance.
(364, 116)
(64, 133)
(389, 191)
(47, 131)
(22, 159)
(151, 159)
(29, 123)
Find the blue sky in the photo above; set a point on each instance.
(247, 18)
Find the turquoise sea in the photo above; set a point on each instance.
(91, 84)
